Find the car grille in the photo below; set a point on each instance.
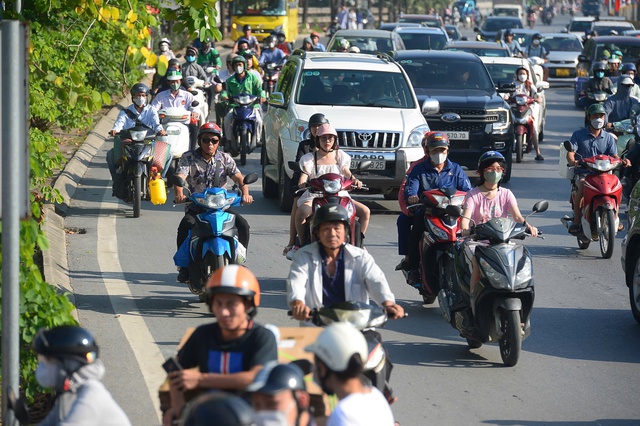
(572, 63)
(365, 140)
(455, 127)
(471, 120)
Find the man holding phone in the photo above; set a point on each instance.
(228, 353)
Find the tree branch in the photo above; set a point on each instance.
(98, 67)
(124, 70)
(80, 44)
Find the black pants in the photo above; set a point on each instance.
(189, 221)
(414, 240)
(193, 136)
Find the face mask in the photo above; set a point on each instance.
(48, 374)
(493, 176)
(239, 69)
(438, 158)
(522, 77)
(174, 86)
(140, 101)
(272, 45)
(536, 42)
(190, 58)
(599, 74)
(597, 123)
(164, 48)
(271, 418)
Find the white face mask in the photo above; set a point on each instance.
(48, 373)
(597, 123)
(536, 42)
(164, 48)
(272, 45)
(140, 101)
(239, 69)
(271, 418)
(438, 158)
(522, 77)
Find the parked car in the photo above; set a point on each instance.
(472, 113)
(368, 41)
(562, 59)
(423, 38)
(493, 24)
(453, 32)
(579, 24)
(611, 27)
(424, 20)
(480, 48)
(503, 71)
(367, 98)
(601, 49)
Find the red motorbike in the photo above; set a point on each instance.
(523, 123)
(271, 76)
(602, 196)
(436, 246)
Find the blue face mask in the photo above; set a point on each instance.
(190, 58)
(599, 74)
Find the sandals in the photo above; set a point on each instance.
(286, 250)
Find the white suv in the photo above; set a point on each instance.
(367, 98)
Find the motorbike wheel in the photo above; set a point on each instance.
(634, 289)
(473, 343)
(137, 195)
(607, 232)
(511, 340)
(211, 263)
(519, 148)
(244, 147)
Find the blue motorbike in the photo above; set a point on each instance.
(243, 140)
(213, 242)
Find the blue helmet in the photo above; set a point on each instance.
(490, 157)
(629, 66)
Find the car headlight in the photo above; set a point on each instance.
(524, 274)
(213, 201)
(503, 119)
(499, 280)
(416, 135)
(332, 186)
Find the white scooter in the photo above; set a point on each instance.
(172, 120)
(197, 88)
(537, 63)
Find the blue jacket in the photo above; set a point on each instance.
(424, 176)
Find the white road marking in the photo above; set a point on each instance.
(131, 320)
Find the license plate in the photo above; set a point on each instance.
(375, 164)
(461, 136)
(562, 72)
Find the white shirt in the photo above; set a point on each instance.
(362, 409)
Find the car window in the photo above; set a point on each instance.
(367, 44)
(285, 83)
(503, 73)
(581, 26)
(561, 44)
(501, 24)
(444, 73)
(417, 41)
(603, 30)
(494, 53)
(354, 88)
(603, 51)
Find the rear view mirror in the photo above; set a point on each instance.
(541, 206)
(430, 106)
(567, 145)
(250, 178)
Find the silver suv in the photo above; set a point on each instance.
(367, 98)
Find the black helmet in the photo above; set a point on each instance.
(221, 408)
(270, 39)
(274, 378)
(139, 88)
(173, 63)
(490, 157)
(508, 33)
(599, 66)
(537, 36)
(246, 27)
(67, 342)
(330, 213)
(317, 119)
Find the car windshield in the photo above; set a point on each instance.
(259, 7)
(523, 39)
(581, 26)
(604, 30)
(630, 52)
(561, 44)
(500, 24)
(506, 11)
(502, 73)
(367, 44)
(449, 74)
(417, 41)
(354, 88)
(494, 53)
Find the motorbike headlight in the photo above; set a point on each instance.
(438, 232)
(499, 280)
(457, 200)
(602, 165)
(244, 99)
(350, 209)
(332, 186)
(441, 200)
(138, 135)
(416, 135)
(628, 128)
(525, 274)
(213, 201)
(502, 123)
(271, 65)
(521, 100)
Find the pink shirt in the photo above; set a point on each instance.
(484, 209)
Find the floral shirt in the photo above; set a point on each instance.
(201, 173)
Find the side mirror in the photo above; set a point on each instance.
(276, 99)
(542, 85)
(177, 180)
(455, 211)
(567, 145)
(430, 106)
(250, 178)
(564, 30)
(294, 165)
(541, 206)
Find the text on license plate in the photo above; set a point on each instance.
(375, 164)
(461, 136)
(562, 72)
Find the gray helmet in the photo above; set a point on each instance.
(331, 213)
(222, 408)
(317, 119)
(599, 66)
(275, 378)
(139, 88)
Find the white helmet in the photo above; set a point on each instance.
(337, 344)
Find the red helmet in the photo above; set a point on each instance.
(435, 140)
(210, 127)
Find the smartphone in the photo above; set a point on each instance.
(171, 365)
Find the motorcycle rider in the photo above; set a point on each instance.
(618, 106)
(159, 82)
(340, 353)
(191, 67)
(225, 408)
(614, 66)
(512, 44)
(68, 364)
(317, 46)
(524, 85)
(343, 45)
(536, 49)
(138, 111)
(272, 53)
(327, 158)
(599, 82)
(588, 142)
(589, 40)
(304, 147)
(433, 171)
(179, 98)
(165, 48)
(307, 45)
(243, 82)
(333, 27)
(630, 70)
(230, 352)
(209, 56)
(251, 40)
(279, 396)
(208, 167)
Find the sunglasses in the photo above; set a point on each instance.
(212, 141)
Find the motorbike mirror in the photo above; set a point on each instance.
(177, 180)
(541, 206)
(195, 103)
(250, 178)
(179, 55)
(19, 408)
(295, 166)
(364, 165)
(567, 145)
(305, 365)
(455, 211)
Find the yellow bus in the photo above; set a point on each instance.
(264, 16)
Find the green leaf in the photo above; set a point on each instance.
(178, 27)
(73, 98)
(75, 78)
(106, 98)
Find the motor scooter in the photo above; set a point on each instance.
(586, 99)
(271, 76)
(436, 246)
(498, 308)
(199, 89)
(244, 129)
(522, 114)
(329, 186)
(172, 120)
(213, 242)
(602, 196)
